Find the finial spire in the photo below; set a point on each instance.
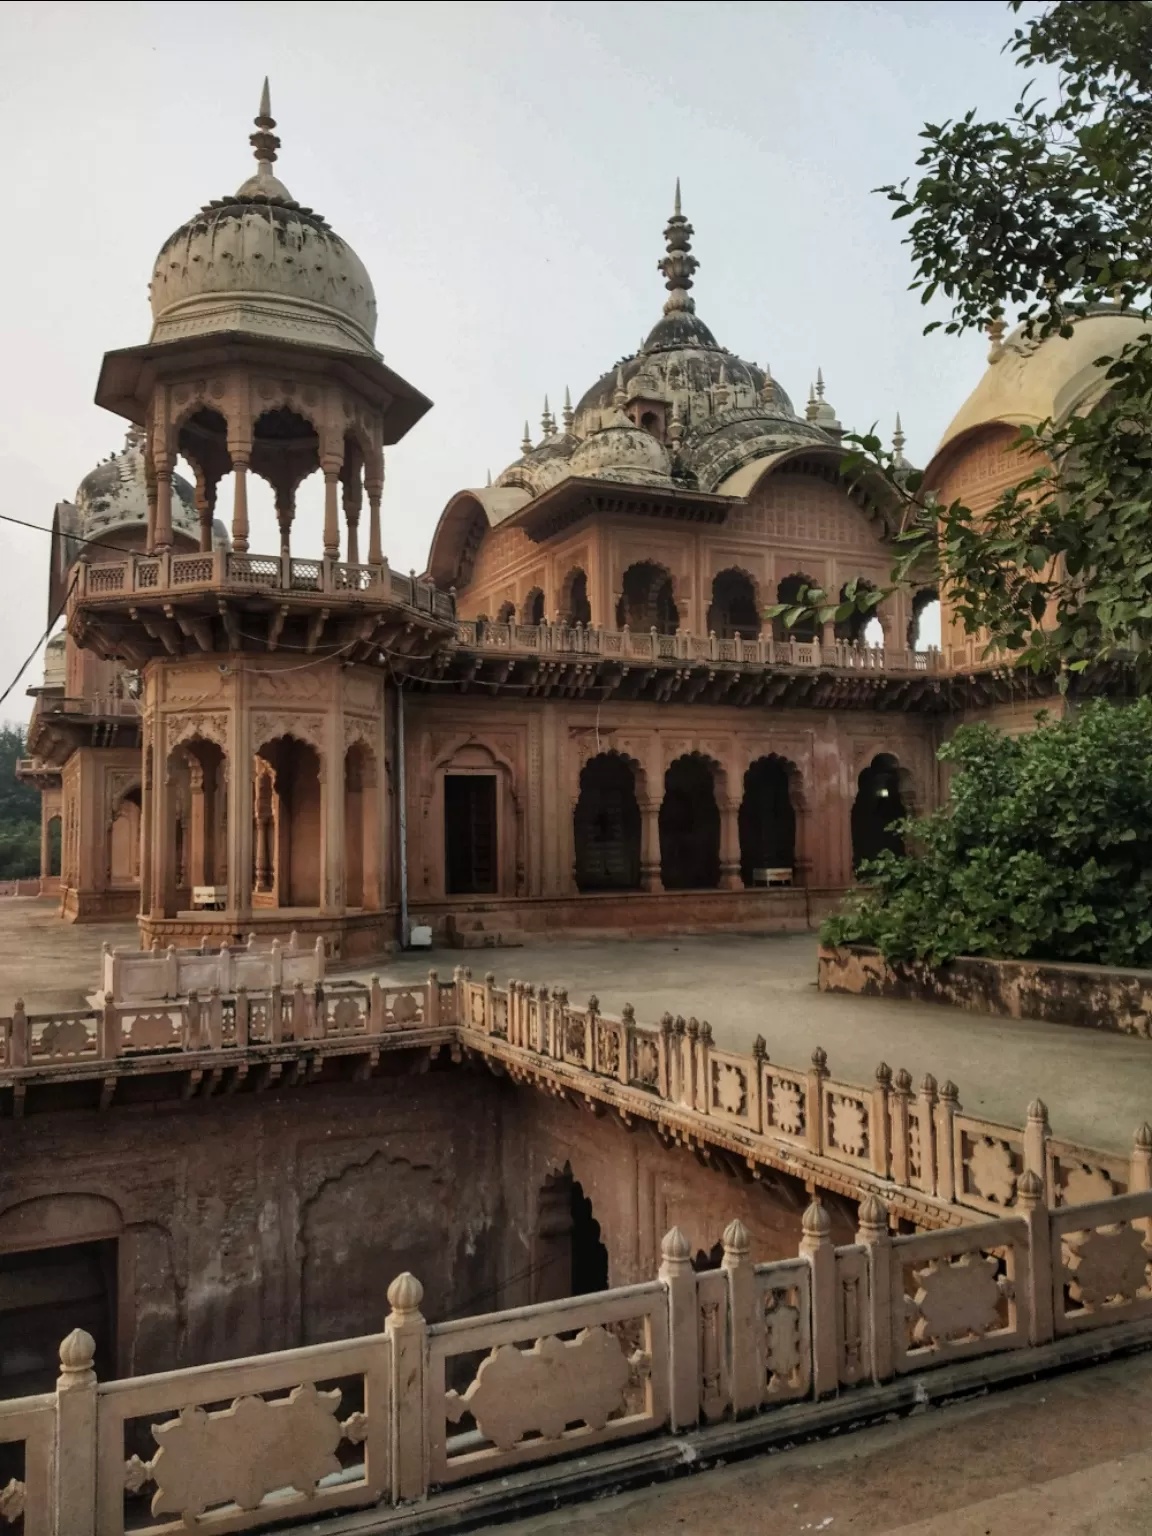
(813, 406)
(819, 383)
(679, 264)
(488, 481)
(898, 441)
(547, 421)
(620, 396)
(526, 441)
(569, 413)
(264, 146)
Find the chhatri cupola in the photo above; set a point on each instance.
(263, 359)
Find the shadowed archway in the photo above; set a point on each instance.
(690, 826)
(606, 825)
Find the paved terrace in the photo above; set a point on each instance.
(1098, 1087)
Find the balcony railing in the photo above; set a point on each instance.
(145, 575)
(650, 645)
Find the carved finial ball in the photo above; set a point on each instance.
(903, 1080)
(593, 1004)
(760, 1048)
(816, 1221)
(736, 1239)
(1030, 1185)
(883, 1073)
(1037, 1110)
(666, 1023)
(949, 1090)
(405, 1294)
(929, 1084)
(873, 1213)
(675, 1246)
(628, 1013)
(1144, 1137)
(820, 1058)
(78, 1351)
(706, 1032)
(489, 978)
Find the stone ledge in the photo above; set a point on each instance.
(1089, 996)
(643, 1462)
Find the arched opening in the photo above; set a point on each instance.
(689, 826)
(734, 612)
(607, 826)
(854, 629)
(767, 821)
(574, 605)
(506, 613)
(788, 591)
(55, 843)
(361, 829)
(203, 440)
(293, 825)
(533, 611)
(924, 625)
(569, 1258)
(879, 804)
(285, 451)
(647, 600)
(195, 834)
(124, 841)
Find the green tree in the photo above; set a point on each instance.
(1044, 850)
(1043, 215)
(19, 811)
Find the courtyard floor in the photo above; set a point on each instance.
(1098, 1087)
(1068, 1456)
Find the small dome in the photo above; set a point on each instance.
(623, 452)
(258, 262)
(115, 494)
(55, 662)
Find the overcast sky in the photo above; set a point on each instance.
(505, 172)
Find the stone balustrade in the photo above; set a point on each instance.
(155, 975)
(223, 570)
(730, 1359)
(934, 1164)
(592, 640)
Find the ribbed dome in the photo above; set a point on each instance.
(258, 262)
(115, 495)
(623, 452)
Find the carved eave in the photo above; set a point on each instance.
(578, 497)
(37, 774)
(53, 735)
(129, 376)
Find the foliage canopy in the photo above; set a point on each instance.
(1043, 852)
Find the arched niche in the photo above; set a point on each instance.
(193, 823)
(689, 824)
(533, 610)
(568, 1256)
(362, 852)
(788, 591)
(295, 857)
(735, 607)
(607, 825)
(648, 599)
(124, 840)
(768, 819)
(574, 606)
(474, 822)
(883, 798)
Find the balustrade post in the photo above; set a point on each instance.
(691, 1064)
(665, 1062)
(759, 1057)
(683, 1330)
(171, 972)
(407, 1333)
(191, 1039)
(18, 1036)
(872, 1231)
(746, 1364)
(879, 1127)
(300, 1030)
(704, 1069)
(1036, 1286)
(590, 1033)
(927, 1119)
(107, 1030)
(814, 1100)
(1036, 1134)
(459, 982)
(225, 969)
(489, 984)
(276, 1021)
(376, 1006)
(76, 1425)
(1140, 1163)
(899, 1132)
(817, 1247)
(277, 963)
(321, 957)
(241, 1040)
(946, 1111)
(215, 1019)
(432, 1006)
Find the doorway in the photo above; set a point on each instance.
(470, 834)
(44, 1294)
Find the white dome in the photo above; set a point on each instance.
(115, 494)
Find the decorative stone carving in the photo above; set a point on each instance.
(245, 1452)
(347, 1017)
(545, 1388)
(403, 1008)
(607, 1051)
(1107, 1265)
(212, 727)
(153, 1031)
(850, 1126)
(1085, 1184)
(788, 1107)
(574, 1047)
(783, 1345)
(306, 728)
(12, 1501)
(956, 1299)
(991, 1170)
(729, 1088)
(64, 1038)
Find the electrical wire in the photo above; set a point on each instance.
(52, 622)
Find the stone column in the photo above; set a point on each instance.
(650, 846)
(240, 802)
(198, 824)
(205, 504)
(240, 502)
(332, 890)
(374, 486)
(331, 464)
(729, 843)
(163, 509)
(353, 501)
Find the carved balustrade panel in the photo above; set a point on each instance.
(731, 1089)
(62, 1037)
(989, 1163)
(148, 1029)
(560, 1377)
(921, 1148)
(785, 1291)
(28, 1432)
(785, 1103)
(404, 1007)
(243, 1445)
(712, 1320)
(344, 1012)
(1080, 1175)
(1102, 1262)
(645, 1070)
(846, 1131)
(853, 1327)
(959, 1293)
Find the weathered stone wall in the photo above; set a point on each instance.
(1089, 995)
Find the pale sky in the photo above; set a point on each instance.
(505, 171)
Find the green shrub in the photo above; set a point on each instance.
(1043, 851)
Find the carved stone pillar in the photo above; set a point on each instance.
(353, 501)
(331, 463)
(163, 510)
(240, 462)
(375, 489)
(198, 823)
(240, 802)
(205, 506)
(285, 513)
(650, 846)
(729, 843)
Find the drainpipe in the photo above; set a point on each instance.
(402, 793)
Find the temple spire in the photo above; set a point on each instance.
(547, 421)
(898, 441)
(264, 146)
(620, 395)
(679, 264)
(526, 441)
(569, 413)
